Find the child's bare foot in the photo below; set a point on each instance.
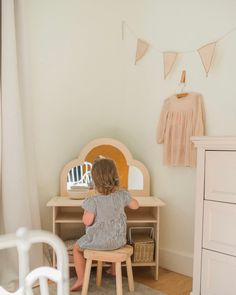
(111, 271)
(77, 286)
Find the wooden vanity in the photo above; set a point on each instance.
(67, 210)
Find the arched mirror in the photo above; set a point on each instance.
(76, 180)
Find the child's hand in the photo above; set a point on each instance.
(133, 204)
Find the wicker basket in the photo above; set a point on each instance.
(143, 243)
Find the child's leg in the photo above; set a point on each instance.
(79, 262)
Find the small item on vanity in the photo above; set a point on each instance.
(182, 81)
(76, 189)
(82, 194)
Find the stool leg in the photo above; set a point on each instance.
(130, 274)
(86, 277)
(118, 279)
(99, 274)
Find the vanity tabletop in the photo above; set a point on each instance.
(147, 201)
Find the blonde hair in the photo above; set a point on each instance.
(105, 175)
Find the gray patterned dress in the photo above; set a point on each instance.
(108, 231)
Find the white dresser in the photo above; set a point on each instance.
(214, 271)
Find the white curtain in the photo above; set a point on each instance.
(19, 199)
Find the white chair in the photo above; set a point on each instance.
(22, 240)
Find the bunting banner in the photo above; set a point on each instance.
(169, 59)
(206, 53)
(142, 47)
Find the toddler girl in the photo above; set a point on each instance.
(104, 216)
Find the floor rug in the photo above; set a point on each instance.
(108, 288)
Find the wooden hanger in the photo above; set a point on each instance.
(182, 81)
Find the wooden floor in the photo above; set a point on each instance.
(169, 282)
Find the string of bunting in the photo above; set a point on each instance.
(206, 52)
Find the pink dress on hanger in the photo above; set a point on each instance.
(180, 119)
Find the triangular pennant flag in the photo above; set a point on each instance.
(206, 53)
(142, 47)
(169, 59)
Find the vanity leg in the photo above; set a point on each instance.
(54, 230)
(157, 242)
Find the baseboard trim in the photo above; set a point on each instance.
(176, 261)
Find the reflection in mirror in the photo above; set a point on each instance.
(79, 177)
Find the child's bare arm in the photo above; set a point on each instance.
(133, 204)
(88, 218)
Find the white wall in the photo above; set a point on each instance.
(84, 85)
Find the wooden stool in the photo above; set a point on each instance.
(114, 256)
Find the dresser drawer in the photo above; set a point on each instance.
(220, 176)
(219, 229)
(218, 275)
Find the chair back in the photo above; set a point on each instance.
(22, 240)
